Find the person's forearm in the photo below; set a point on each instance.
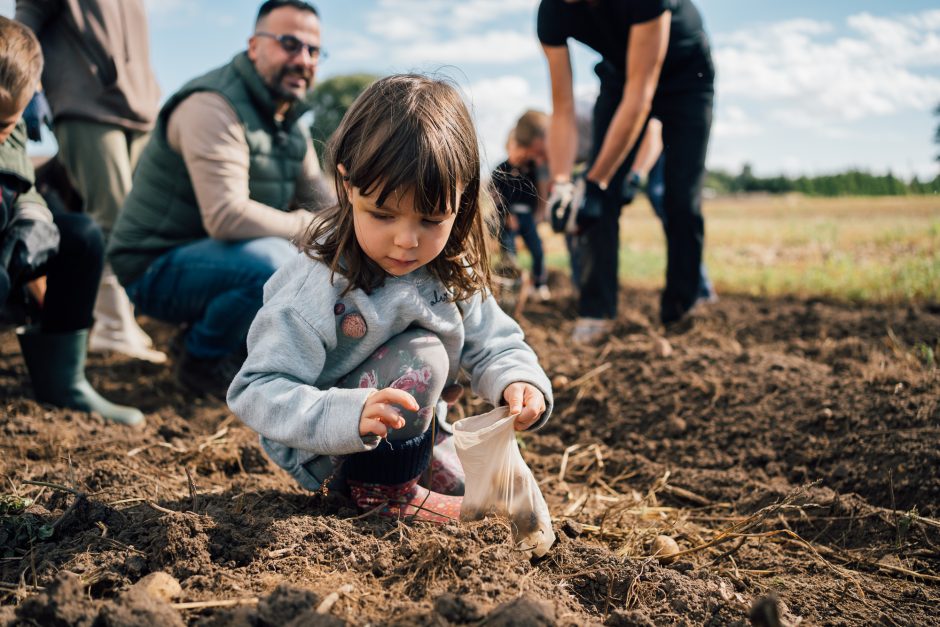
(622, 133)
(206, 132)
(253, 220)
(562, 143)
(645, 55)
(650, 148)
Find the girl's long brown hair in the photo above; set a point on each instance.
(407, 132)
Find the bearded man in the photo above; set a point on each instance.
(228, 180)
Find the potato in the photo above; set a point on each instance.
(664, 549)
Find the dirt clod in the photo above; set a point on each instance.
(522, 612)
(160, 585)
(457, 609)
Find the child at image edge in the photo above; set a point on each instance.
(355, 353)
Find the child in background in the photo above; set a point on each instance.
(49, 265)
(518, 197)
(359, 342)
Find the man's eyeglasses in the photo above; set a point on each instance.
(291, 45)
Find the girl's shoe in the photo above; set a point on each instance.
(405, 500)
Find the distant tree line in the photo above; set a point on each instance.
(850, 183)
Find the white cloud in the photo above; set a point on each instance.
(733, 121)
(472, 13)
(447, 16)
(163, 7)
(496, 103)
(885, 66)
(797, 119)
(473, 31)
(487, 47)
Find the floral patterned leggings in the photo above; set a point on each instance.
(414, 361)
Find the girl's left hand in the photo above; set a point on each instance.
(526, 400)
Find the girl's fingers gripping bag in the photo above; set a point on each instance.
(499, 482)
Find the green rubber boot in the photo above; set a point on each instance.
(56, 365)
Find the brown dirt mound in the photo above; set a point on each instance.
(790, 447)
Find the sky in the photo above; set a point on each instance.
(803, 87)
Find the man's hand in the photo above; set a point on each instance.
(526, 400)
(379, 413)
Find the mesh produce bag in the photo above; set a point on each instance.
(499, 482)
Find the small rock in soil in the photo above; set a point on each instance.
(160, 585)
(457, 609)
(522, 612)
(572, 529)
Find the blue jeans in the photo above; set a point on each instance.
(214, 286)
(530, 235)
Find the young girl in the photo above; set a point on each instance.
(357, 340)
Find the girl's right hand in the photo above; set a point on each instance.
(380, 413)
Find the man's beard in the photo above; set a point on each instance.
(277, 88)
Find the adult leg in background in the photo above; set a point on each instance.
(655, 191)
(686, 122)
(216, 288)
(100, 160)
(599, 245)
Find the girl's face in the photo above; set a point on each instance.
(396, 235)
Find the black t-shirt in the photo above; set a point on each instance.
(604, 26)
(515, 187)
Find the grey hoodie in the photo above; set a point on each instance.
(297, 351)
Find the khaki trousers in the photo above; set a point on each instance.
(100, 160)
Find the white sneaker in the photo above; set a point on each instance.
(115, 327)
(589, 331)
(543, 293)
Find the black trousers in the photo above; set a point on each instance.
(686, 118)
(72, 275)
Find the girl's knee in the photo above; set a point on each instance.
(421, 371)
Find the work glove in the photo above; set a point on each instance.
(36, 115)
(27, 245)
(561, 203)
(591, 206)
(631, 187)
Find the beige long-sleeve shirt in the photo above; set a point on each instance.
(206, 131)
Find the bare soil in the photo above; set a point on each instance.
(790, 447)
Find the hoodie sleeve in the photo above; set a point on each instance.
(274, 393)
(496, 355)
